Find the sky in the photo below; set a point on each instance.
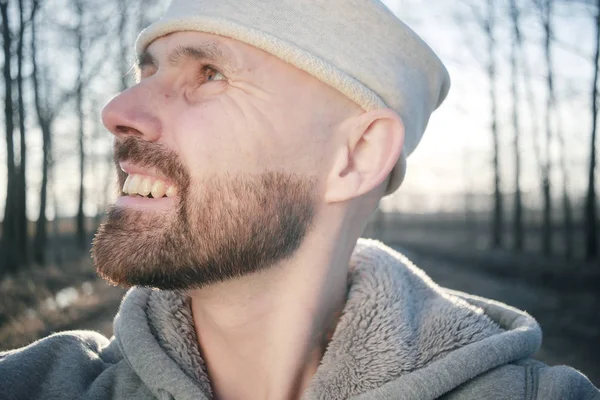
(454, 155)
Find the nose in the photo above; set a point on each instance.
(131, 113)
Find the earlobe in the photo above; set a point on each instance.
(373, 147)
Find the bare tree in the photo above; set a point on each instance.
(124, 48)
(514, 61)
(533, 111)
(591, 218)
(124, 51)
(550, 107)
(545, 9)
(489, 28)
(22, 236)
(45, 119)
(484, 16)
(540, 161)
(532, 106)
(9, 225)
(50, 101)
(79, 35)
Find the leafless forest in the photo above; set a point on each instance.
(63, 59)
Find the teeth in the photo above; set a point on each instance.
(126, 184)
(144, 185)
(134, 184)
(158, 189)
(171, 191)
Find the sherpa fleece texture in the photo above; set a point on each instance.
(400, 337)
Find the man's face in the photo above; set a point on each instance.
(238, 139)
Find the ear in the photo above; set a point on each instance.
(372, 149)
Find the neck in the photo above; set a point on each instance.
(263, 336)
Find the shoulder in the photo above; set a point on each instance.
(74, 347)
(527, 380)
(64, 365)
(564, 382)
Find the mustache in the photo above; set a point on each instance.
(150, 155)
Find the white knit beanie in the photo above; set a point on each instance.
(358, 47)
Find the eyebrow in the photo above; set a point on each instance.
(209, 52)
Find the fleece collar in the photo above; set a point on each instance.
(397, 325)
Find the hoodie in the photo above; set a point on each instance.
(400, 336)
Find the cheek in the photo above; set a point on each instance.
(276, 136)
(295, 144)
(299, 152)
(206, 140)
(227, 137)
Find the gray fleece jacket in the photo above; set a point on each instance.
(400, 337)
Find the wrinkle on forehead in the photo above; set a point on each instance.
(179, 47)
(264, 77)
(245, 61)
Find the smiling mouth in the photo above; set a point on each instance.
(148, 187)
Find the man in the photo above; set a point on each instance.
(258, 141)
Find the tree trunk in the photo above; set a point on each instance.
(567, 214)
(591, 218)
(41, 227)
(22, 228)
(125, 45)
(533, 111)
(44, 121)
(9, 224)
(518, 205)
(58, 251)
(546, 15)
(498, 217)
(81, 231)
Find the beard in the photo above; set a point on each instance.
(219, 229)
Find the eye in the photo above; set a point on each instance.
(211, 74)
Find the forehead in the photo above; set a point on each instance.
(228, 53)
(243, 62)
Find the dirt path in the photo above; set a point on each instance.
(569, 321)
